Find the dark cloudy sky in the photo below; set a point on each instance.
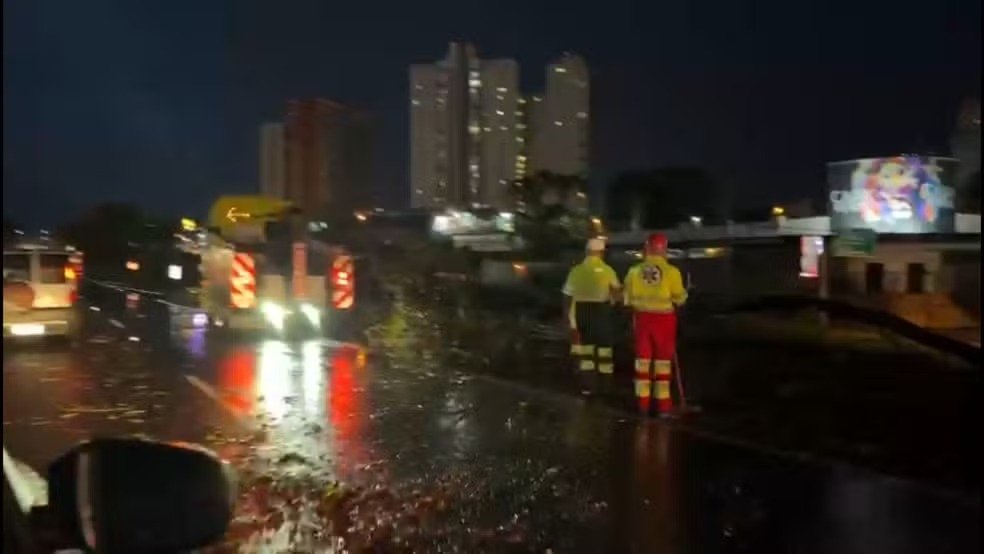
(158, 102)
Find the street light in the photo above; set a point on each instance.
(696, 220)
(778, 210)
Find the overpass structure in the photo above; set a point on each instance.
(965, 224)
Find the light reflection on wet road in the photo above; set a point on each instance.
(432, 459)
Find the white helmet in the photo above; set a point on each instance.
(595, 245)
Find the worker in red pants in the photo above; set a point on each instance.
(654, 290)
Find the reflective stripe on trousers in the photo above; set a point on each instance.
(594, 328)
(655, 338)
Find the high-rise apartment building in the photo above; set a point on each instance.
(473, 133)
(273, 160)
(499, 133)
(328, 156)
(559, 119)
(463, 130)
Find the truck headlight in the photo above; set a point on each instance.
(274, 314)
(312, 313)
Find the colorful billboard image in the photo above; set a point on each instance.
(903, 194)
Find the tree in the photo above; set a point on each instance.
(106, 232)
(663, 198)
(552, 211)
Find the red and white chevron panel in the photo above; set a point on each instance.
(242, 282)
(342, 282)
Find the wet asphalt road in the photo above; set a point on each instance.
(391, 451)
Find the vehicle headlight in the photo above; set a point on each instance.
(274, 314)
(312, 313)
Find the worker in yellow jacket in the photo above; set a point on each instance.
(592, 286)
(654, 290)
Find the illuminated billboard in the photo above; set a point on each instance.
(902, 194)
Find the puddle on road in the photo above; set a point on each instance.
(384, 457)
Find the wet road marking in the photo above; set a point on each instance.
(332, 343)
(210, 392)
(123, 288)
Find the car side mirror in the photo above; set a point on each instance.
(136, 495)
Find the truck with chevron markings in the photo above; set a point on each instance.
(262, 270)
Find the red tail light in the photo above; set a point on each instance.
(73, 296)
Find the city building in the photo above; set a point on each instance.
(273, 160)
(468, 134)
(473, 133)
(444, 99)
(559, 120)
(328, 156)
(892, 238)
(501, 139)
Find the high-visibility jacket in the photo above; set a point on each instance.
(591, 281)
(654, 285)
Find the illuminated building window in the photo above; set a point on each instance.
(500, 112)
(503, 128)
(499, 97)
(502, 89)
(415, 102)
(559, 123)
(582, 115)
(560, 69)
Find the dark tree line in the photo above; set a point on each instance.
(664, 198)
(110, 232)
(551, 211)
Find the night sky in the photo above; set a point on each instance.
(158, 103)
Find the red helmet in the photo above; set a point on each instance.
(656, 243)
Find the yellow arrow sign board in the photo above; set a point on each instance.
(229, 212)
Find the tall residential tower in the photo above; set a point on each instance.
(273, 160)
(463, 130)
(328, 156)
(559, 120)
